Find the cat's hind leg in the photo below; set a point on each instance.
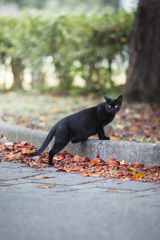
(57, 147)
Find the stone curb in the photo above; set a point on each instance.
(145, 153)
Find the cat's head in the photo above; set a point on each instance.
(113, 105)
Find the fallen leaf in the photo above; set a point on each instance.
(137, 164)
(85, 175)
(114, 139)
(8, 143)
(93, 175)
(113, 162)
(60, 170)
(131, 169)
(31, 151)
(138, 175)
(77, 158)
(122, 162)
(95, 162)
(156, 174)
(22, 144)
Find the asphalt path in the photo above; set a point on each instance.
(66, 206)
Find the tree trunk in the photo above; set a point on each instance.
(17, 70)
(143, 75)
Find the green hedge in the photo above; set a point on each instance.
(84, 45)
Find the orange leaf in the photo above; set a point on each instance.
(31, 151)
(114, 139)
(95, 162)
(138, 175)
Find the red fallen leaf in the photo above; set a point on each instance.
(113, 162)
(61, 158)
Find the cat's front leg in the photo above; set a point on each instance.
(101, 134)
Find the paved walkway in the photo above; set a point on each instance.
(75, 208)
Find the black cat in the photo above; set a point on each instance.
(81, 125)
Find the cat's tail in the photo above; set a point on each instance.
(45, 143)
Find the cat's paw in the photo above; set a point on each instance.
(107, 138)
(50, 163)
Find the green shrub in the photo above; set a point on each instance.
(84, 45)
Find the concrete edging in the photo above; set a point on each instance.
(145, 153)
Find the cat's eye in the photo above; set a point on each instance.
(109, 106)
(116, 106)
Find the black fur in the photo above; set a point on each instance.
(81, 125)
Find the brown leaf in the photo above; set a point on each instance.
(137, 164)
(113, 162)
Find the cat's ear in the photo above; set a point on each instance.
(119, 99)
(106, 97)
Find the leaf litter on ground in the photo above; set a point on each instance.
(66, 162)
(134, 122)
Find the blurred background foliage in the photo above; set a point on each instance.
(66, 52)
